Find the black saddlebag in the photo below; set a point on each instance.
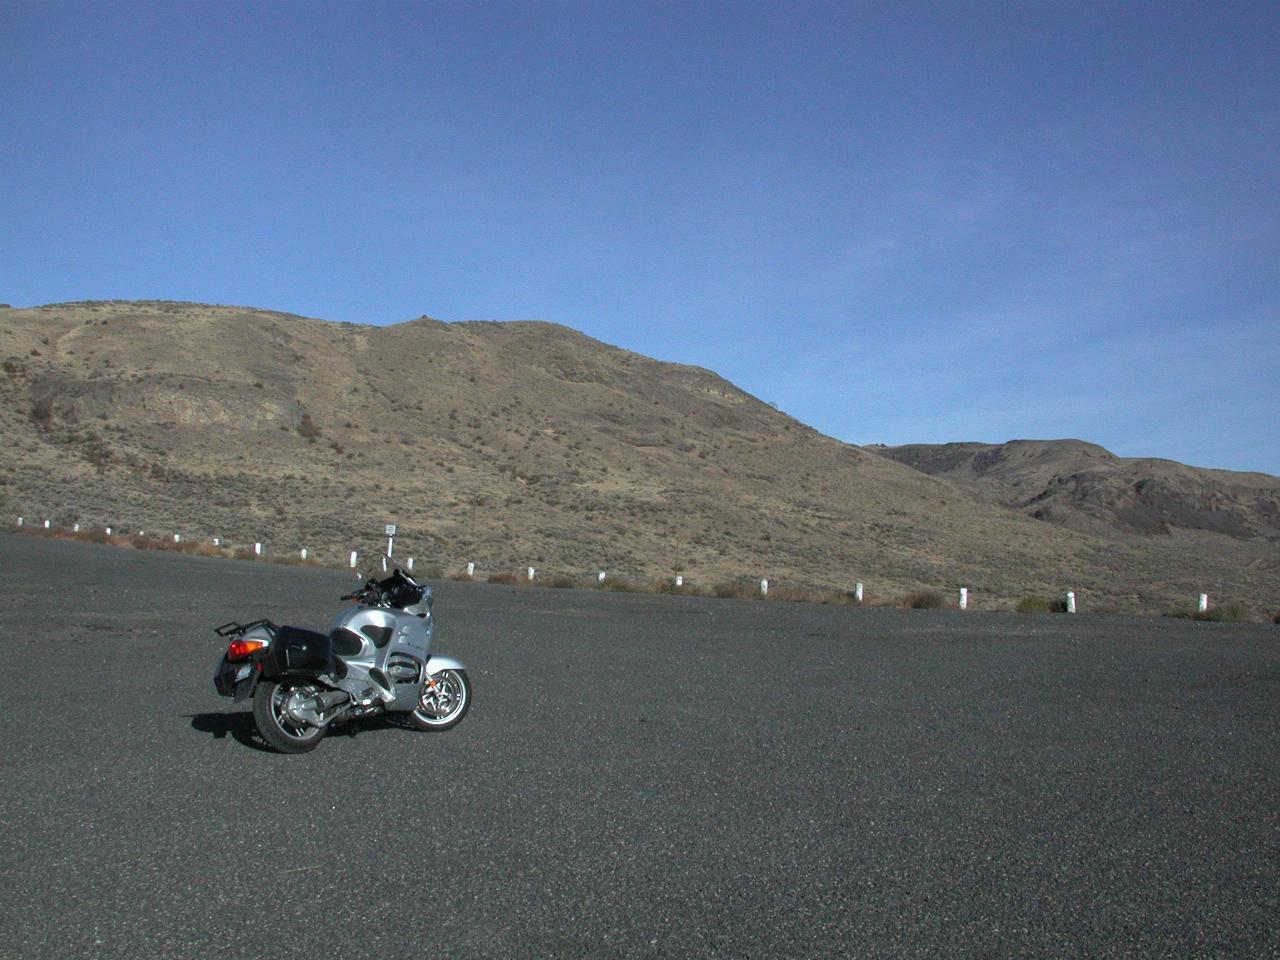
(296, 654)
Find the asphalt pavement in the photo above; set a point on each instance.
(639, 776)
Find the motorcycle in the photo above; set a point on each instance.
(375, 659)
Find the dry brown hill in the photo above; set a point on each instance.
(1086, 487)
(513, 444)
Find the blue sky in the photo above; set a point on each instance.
(899, 222)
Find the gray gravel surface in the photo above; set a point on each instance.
(639, 777)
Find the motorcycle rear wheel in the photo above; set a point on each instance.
(280, 732)
(442, 706)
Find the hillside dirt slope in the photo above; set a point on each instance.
(513, 444)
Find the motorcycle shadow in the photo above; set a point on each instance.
(240, 727)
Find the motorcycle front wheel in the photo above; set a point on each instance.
(443, 701)
(270, 715)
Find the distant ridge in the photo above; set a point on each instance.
(1086, 487)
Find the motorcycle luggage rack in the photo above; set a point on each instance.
(234, 627)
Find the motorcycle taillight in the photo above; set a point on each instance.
(243, 649)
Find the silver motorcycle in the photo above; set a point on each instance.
(375, 659)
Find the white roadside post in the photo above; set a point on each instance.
(257, 549)
(108, 531)
(857, 591)
(391, 540)
(46, 524)
(75, 528)
(1071, 601)
(600, 577)
(303, 553)
(471, 568)
(217, 541)
(353, 560)
(20, 521)
(964, 598)
(411, 564)
(764, 586)
(531, 573)
(177, 538)
(1202, 605)
(384, 563)
(679, 580)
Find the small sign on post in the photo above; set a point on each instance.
(964, 598)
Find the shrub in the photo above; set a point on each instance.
(308, 428)
(731, 589)
(1042, 605)
(792, 594)
(1224, 613)
(668, 586)
(42, 412)
(622, 586)
(925, 600)
(508, 578)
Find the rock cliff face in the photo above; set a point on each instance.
(512, 444)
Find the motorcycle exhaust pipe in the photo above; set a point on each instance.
(329, 704)
(328, 699)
